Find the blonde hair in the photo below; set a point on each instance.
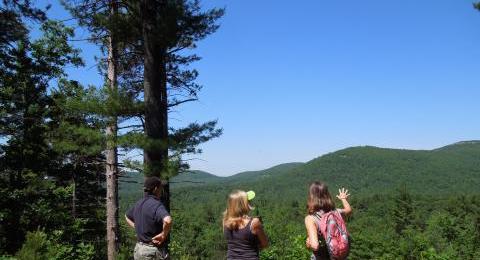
(237, 209)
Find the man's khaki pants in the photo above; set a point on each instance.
(145, 251)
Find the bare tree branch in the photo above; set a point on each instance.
(130, 126)
(182, 101)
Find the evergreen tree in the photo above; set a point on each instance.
(30, 197)
(152, 75)
(78, 140)
(403, 210)
(167, 28)
(103, 20)
(173, 26)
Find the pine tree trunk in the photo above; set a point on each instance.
(155, 96)
(111, 154)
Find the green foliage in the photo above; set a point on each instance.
(39, 246)
(294, 249)
(29, 197)
(178, 26)
(403, 211)
(47, 160)
(35, 247)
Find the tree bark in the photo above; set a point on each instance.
(111, 153)
(155, 97)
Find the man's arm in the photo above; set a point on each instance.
(129, 222)
(167, 226)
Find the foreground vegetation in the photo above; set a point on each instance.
(407, 205)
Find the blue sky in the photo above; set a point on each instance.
(290, 81)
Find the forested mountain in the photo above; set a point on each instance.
(365, 168)
(408, 204)
(453, 169)
(194, 178)
(263, 174)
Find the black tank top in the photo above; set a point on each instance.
(242, 243)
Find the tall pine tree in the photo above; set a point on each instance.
(30, 196)
(175, 26)
(153, 73)
(104, 20)
(167, 29)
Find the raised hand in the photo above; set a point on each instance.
(343, 194)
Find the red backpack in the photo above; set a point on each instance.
(334, 231)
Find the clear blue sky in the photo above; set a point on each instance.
(290, 81)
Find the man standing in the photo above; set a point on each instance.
(151, 221)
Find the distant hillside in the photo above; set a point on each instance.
(131, 183)
(200, 178)
(442, 170)
(257, 175)
(194, 178)
(453, 168)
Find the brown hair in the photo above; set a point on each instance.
(237, 209)
(151, 183)
(319, 198)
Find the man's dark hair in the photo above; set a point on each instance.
(151, 183)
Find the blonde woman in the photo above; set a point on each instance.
(244, 234)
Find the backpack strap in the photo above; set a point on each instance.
(317, 217)
(337, 216)
(249, 224)
(252, 237)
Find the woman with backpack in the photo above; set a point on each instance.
(327, 235)
(244, 234)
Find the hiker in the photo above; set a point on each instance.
(327, 236)
(151, 221)
(244, 234)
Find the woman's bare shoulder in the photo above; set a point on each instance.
(309, 218)
(256, 222)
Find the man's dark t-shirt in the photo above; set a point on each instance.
(147, 214)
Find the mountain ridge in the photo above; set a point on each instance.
(364, 168)
(449, 146)
(359, 167)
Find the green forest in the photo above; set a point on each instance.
(74, 156)
(407, 204)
